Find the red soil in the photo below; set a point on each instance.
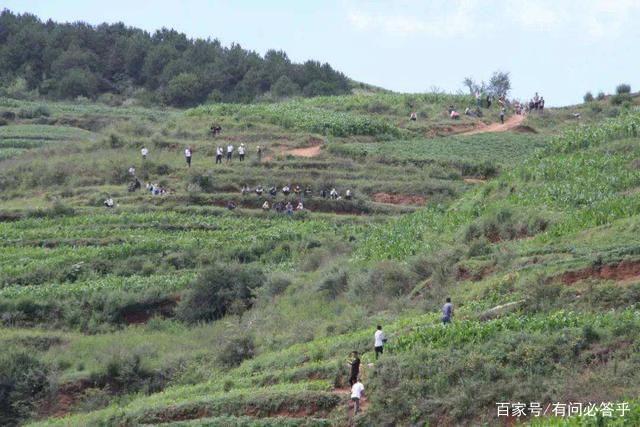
(511, 123)
(623, 271)
(399, 199)
(470, 180)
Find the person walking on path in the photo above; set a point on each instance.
(355, 368)
(502, 115)
(229, 152)
(241, 152)
(447, 311)
(357, 391)
(145, 152)
(187, 156)
(218, 154)
(379, 341)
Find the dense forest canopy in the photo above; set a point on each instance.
(68, 60)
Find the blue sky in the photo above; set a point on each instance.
(561, 48)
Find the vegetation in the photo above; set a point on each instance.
(116, 63)
(173, 309)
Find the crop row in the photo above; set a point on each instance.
(581, 137)
(474, 332)
(296, 115)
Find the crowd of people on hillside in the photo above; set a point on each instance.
(379, 341)
(535, 104)
(259, 190)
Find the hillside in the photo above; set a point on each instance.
(121, 65)
(174, 309)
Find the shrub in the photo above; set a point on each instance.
(124, 373)
(541, 295)
(237, 350)
(219, 290)
(479, 247)
(23, 382)
(588, 97)
(8, 115)
(391, 279)
(77, 82)
(601, 96)
(504, 225)
(34, 113)
(115, 141)
(277, 284)
(623, 88)
(334, 283)
(621, 98)
(206, 182)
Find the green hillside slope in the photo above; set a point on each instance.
(174, 309)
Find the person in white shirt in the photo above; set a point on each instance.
(300, 207)
(349, 195)
(357, 391)
(109, 202)
(229, 152)
(145, 152)
(132, 171)
(241, 152)
(187, 155)
(218, 154)
(379, 341)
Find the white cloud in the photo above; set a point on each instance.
(592, 18)
(438, 19)
(609, 18)
(534, 14)
(588, 19)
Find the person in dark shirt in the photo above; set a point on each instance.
(447, 311)
(355, 368)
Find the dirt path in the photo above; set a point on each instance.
(364, 403)
(509, 124)
(305, 152)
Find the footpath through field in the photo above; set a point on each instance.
(509, 124)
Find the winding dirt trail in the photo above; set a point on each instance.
(509, 124)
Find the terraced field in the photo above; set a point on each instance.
(173, 309)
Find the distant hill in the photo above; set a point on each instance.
(65, 61)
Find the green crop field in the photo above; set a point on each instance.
(174, 309)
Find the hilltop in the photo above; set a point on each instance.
(174, 309)
(120, 65)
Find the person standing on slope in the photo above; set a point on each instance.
(229, 152)
(218, 155)
(145, 152)
(379, 341)
(259, 154)
(355, 368)
(187, 156)
(241, 152)
(357, 390)
(447, 311)
(502, 115)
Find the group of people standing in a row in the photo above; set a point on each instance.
(221, 152)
